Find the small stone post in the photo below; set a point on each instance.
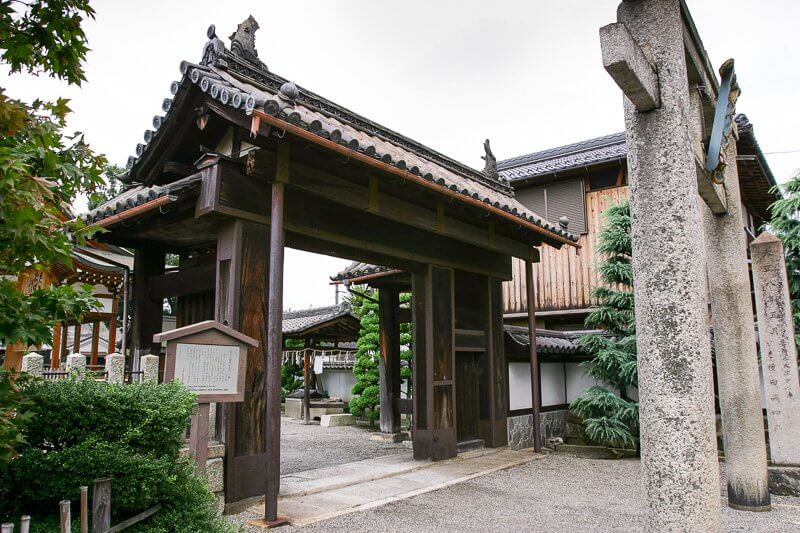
(150, 368)
(678, 436)
(76, 363)
(33, 364)
(115, 368)
(735, 345)
(778, 350)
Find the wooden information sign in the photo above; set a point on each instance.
(210, 359)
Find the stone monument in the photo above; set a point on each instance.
(778, 362)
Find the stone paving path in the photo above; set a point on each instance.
(321, 494)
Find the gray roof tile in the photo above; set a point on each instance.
(299, 321)
(584, 153)
(239, 84)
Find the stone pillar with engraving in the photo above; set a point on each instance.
(778, 362)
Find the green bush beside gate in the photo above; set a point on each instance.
(82, 430)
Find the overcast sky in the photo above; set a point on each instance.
(526, 74)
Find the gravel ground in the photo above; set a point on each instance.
(558, 493)
(309, 447)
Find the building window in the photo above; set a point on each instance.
(604, 179)
(556, 200)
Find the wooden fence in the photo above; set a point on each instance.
(101, 512)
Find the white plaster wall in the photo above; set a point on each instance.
(519, 384)
(577, 381)
(338, 383)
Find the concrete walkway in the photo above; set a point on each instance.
(325, 493)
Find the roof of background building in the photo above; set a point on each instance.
(237, 79)
(755, 175)
(335, 320)
(548, 341)
(358, 269)
(575, 155)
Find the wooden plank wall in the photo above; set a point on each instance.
(565, 277)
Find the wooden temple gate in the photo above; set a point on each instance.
(290, 168)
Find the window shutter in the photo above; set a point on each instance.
(566, 199)
(533, 199)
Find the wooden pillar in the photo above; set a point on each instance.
(389, 364)
(112, 335)
(275, 339)
(240, 302)
(306, 380)
(76, 339)
(536, 399)
(95, 342)
(148, 311)
(496, 404)
(55, 352)
(421, 434)
(434, 362)
(112, 326)
(64, 336)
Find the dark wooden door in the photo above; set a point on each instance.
(467, 396)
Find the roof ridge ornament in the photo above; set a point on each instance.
(243, 42)
(490, 169)
(214, 48)
(288, 92)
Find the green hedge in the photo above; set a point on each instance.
(83, 430)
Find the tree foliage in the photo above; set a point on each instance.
(110, 188)
(366, 391)
(611, 416)
(15, 413)
(42, 166)
(785, 225)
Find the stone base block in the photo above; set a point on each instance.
(220, 502)
(294, 409)
(337, 420)
(215, 475)
(389, 437)
(593, 452)
(784, 480)
(216, 450)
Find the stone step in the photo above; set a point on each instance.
(320, 504)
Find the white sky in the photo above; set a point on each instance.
(526, 74)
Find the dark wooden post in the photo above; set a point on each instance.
(495, 434)
(306, 379)
(434, 364)
(275, 338)
(421, 438)
(536, 401)
(240, 301)
(112, 326)
(389, 364)
(55, 353)
(76, 340)
(148, 312)
(95, 341)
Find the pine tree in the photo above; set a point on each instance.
(366, 391)
(610, 414)
(786, 226)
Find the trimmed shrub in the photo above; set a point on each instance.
(82, 430)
